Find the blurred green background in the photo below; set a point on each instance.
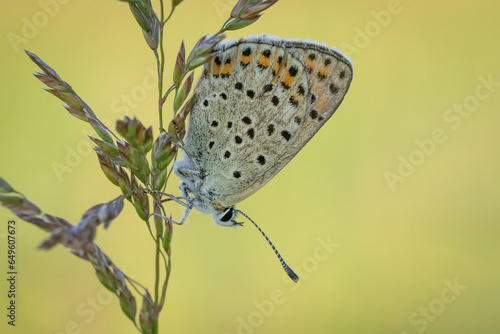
(389, 215)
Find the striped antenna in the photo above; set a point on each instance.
(289, 271)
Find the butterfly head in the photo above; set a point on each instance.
(226, 217)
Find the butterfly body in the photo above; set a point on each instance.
(257, 103)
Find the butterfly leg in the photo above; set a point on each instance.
(170, 197)
(170, 220)
(187, 205)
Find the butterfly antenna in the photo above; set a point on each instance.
(289, 271)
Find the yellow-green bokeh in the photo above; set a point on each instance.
(396, 249)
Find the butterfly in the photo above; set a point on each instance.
(257, 102)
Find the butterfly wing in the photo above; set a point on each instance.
(330, 75)
(257, 103)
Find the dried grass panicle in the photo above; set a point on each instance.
(111, 150)
(135, 160)
(124, 183)
(202, 49)
(161, 156)
(73, 103)
(74, 237)
(140, 200)
(77, 238)
(148, 21)
(135, 133)
(177, 127)
(167, 237)
(5, 187)
(163, 152)
(104, 268)
(248, 9)
(26, 210)
(109, 168)
(127, 299)
(175, 3)
(183, 93)
(113, 279)
(147, 314)
(246, 12)
(180, 66)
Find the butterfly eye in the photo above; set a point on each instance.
(226, 215)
